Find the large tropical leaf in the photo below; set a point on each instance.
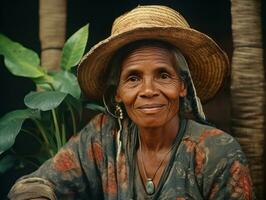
(6, 163)
(76, 104)
(66, 82)
(10, 125)
(74, 48)
(46, 100)
(96, 107)
(19, 60)
(45, 83)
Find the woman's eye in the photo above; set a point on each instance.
(164, 75)
(133, 78)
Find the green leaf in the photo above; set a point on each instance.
(74, 48)
(66, 82)
(76, 104)
(19, 60)
(44, 101)
(10, 125)
(41, 157)
(45, 83)
(6, 163)
(95, 107)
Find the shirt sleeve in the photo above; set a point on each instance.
(63, 175)
(234, 182)
(228, 175)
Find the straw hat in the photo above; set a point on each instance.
(208, 64)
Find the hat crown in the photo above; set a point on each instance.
(148, 16)
(207, 62)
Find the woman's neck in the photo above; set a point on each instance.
(155, 139)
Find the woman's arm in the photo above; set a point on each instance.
(32, 188)
(234, 182)
(63, 175)
(228, 175)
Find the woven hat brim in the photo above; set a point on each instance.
(208, 64)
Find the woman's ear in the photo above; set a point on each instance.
(183, 90)
(118, 97)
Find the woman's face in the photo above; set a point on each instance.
(150, 87)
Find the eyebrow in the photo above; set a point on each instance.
(127, 72)
(133, 71)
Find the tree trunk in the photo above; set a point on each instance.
(52, 32)
(248, 86)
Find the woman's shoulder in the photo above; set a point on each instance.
(99, 127)
(217, 160)
(212, 148)
(99, 122)
(211, 138)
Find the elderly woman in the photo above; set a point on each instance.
(145, 146)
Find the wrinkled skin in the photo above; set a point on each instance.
(150, 87)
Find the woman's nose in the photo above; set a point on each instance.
(148, 88)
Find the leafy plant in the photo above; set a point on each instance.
(53, 113)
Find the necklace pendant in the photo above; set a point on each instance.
(149, 186)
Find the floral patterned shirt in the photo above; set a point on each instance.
(207, 164)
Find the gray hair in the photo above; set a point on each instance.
(191, 102)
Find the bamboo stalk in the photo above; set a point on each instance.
(52, 32)
(248, 86)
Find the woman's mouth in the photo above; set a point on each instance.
(151, 108)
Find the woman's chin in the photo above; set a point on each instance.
(150, 122)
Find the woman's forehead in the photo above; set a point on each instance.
(148, 51)
(148, 54)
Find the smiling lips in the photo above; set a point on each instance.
(151, 108)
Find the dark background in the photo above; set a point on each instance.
(19, 21)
